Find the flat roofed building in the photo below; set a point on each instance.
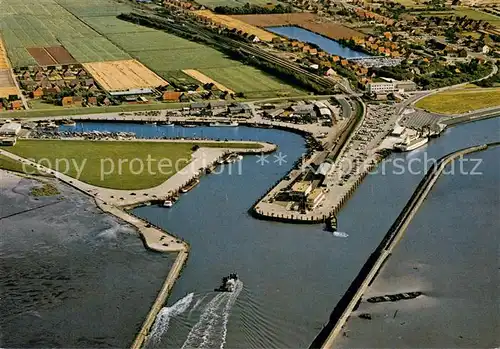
(10, 129)
(405, 86)
(380, 87)
(398, 131)
(315, 198)
(301, 189)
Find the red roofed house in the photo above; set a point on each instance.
(171, 96)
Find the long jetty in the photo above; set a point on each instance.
(340, 314)
(160, 300)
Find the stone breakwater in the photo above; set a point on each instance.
(370, 269)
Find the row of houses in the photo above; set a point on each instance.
(369, 15)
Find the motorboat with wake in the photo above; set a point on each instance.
(228, 283)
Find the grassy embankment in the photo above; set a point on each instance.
(98, 163)
(461, 100)
(7, 163)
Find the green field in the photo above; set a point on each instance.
(96, 160)
(169, 54)
(90, 31)
(45, 23)
(461, 100)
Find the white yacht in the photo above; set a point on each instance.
(411, 143)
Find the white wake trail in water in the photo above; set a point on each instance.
(162, 321)
(210, 331)
(195, 306)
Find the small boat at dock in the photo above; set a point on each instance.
(168, 203)
(69, 122)
(193, 183)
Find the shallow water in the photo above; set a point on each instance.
(71, 276)
(448, 252)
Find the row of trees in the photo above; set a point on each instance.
(454, 74)
(491, 81)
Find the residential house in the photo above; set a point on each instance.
(16, 105)
(38, 93)
(77, 101)
(39, 76)
(330, 72)
(92, 100)
(67, 101)
(51, 90)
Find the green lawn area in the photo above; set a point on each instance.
(478, 15)
(111, 164)
(252, 82)
(411, 3)
(38, 104)
(461, 100)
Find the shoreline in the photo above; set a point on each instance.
(152, 236)
(369, 271)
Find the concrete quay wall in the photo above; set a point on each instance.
(319, 216)
(370, 269)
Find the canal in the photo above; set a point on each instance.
(328, 45)
(292, 275)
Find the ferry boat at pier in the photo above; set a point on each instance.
(410, 145)
(228, 283)
(193, 183)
